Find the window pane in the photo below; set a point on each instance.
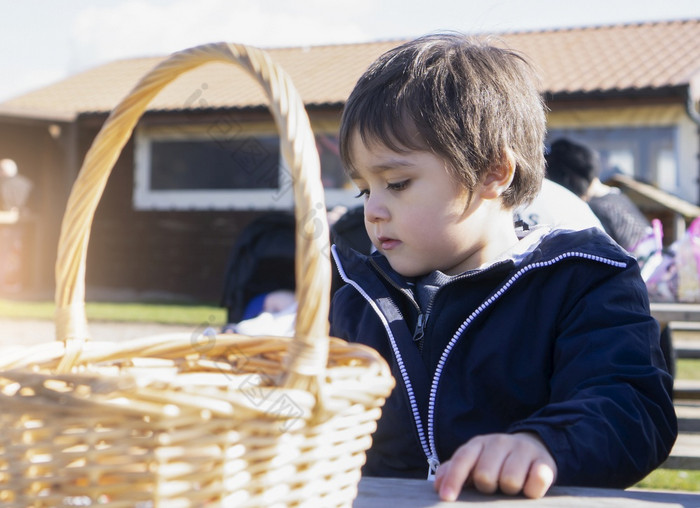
(617, 161)
(645, 153)
(235, 163)
(666, 169)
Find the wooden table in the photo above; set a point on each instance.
(402, 493)
(675, 311)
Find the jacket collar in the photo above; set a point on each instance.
(539, 244)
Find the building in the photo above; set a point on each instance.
(203, 161)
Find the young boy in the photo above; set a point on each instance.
(520, 362)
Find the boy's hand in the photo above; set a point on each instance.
(512, 462)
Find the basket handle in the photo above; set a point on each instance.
(309, 349)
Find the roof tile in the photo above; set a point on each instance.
(603, 58)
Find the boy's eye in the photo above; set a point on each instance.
(398, 186)
(363, 192)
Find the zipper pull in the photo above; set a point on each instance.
(433, 463)
(420, 330)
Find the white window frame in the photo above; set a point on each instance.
(280, 198)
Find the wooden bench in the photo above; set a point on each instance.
(688, 414)
(684, 324)
(685, 337)
(672, 312)
(686, 389)
(684, 348)
(685, 453)
(688, 326)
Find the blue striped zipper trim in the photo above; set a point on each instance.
(428, 445)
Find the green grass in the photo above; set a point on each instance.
(166, 313)
(671, 479)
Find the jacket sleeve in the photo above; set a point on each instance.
(610, 419)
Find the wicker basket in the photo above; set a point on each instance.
(175, 421)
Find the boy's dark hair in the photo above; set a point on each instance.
(572, 165)
(468, 101)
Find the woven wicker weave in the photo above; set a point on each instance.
(175, 421)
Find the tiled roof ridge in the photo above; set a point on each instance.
(398, 40)
(600, 26)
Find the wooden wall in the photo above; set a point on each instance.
(142, 254)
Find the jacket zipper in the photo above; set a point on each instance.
(419, 332)
(422, 319)
(428, 445)
(397, 355)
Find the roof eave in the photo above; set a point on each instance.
(315, 106)
(10, 113)
(667, 93)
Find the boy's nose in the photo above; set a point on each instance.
(374, 210)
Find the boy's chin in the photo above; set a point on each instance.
(408, 270)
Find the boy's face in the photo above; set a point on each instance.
(415, 212)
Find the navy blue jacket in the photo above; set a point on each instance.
(556, 339)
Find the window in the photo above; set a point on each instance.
(646, 153)
(192, 167)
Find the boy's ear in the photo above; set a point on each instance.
(499, 177)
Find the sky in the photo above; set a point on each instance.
(44, 41)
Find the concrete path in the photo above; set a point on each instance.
(18, 332)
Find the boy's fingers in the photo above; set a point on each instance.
(452, 475)
(486, 473)
(539, 480)
(526, 451)
(441, 473)
(513, 463)
(514, 473)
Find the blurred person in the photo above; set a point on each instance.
(577, 167)
(14, 192)
(555, 205)
(14, 188)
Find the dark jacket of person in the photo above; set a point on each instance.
(556, 340)
(621, 218)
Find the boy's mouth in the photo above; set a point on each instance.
(386, 243)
